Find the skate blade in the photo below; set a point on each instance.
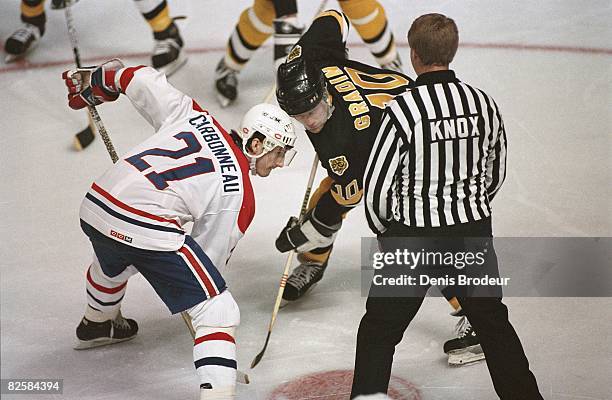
(175, 65)
(469, 355)
(90, 344)
(9, 58)
(284, 303)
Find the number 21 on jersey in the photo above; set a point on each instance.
(202, 165)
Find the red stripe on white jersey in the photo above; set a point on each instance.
(133, 210)
(104, 289)
(247, 210)
(197, 107)
(200, 270)
(214, 336)
(126, 77)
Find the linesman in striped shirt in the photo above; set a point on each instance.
(437, 162)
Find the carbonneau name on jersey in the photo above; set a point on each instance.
(219, 148)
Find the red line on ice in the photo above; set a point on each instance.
(25, 65)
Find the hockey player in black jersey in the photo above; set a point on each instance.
(340, 103)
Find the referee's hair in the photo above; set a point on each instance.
(434, 38)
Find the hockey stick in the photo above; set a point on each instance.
(285, 276)
(83, 138)
(283, 281)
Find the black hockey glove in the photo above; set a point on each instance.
(309, 235)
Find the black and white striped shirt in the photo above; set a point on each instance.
(439, 157)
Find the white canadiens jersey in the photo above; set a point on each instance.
(189, 171)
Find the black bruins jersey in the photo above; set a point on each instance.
(359, 94)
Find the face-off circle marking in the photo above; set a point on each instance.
(336, 385)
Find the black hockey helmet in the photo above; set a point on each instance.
(300, 86)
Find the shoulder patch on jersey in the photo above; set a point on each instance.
(339, 164)
(296, 52)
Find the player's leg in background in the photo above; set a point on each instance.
(465, 347)
(253, 28)
(106, 283)
(214, 351)
(312, 264)
(27, 37)
(168, 54)
(369, 19)
(287, 29)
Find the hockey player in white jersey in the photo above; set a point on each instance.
(191, 171)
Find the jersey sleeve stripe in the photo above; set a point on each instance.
(125, 77)
(342, 20)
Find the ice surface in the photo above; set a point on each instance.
(532, 57)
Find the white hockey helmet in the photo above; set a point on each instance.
(274, 124)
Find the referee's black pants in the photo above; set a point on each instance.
(386, 319)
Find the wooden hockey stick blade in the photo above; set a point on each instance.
(84, 138)
(242, 378)
(187, 320)
(259, 356)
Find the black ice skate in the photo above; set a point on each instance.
(226, 84)
(287, 32)
(465, 348)
(93, 334)
(168, 55)
(303, 278)
(394, 65)
(22, 41)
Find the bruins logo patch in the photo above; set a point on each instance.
(296, 52)
(339, 164)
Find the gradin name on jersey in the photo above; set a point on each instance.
(453, 128)
(219, 149)
(356, 104)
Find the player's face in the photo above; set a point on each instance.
(315, 119)
(275, 158)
